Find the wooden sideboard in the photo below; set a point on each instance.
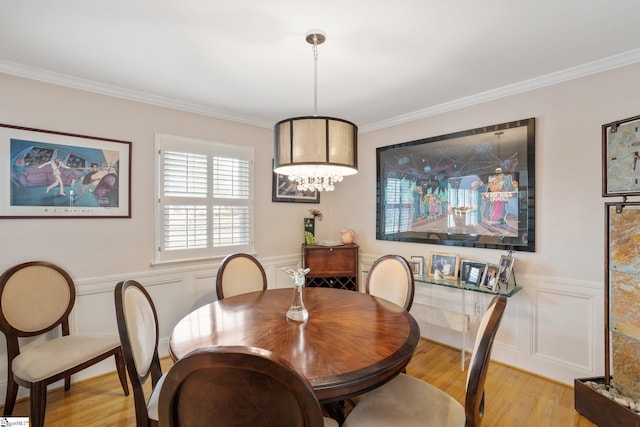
(331, 266)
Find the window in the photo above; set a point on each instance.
(205, 199)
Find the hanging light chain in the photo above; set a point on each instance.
(315, 74)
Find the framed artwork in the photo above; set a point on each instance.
(473, 188)
(284, 190)
(472, 272)
(621, 155)
(490, 279)
(443, 266)
(50, 174)
(417, 266)
(506, 268)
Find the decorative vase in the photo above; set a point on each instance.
(297, 312)
(348, 236)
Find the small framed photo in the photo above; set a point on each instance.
(490, 279)
(472, 272)
(417, 266)
(506, 268)
(444, 266)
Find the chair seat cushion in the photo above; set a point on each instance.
(43, 360)
(330, 422)
(152, 405)
(406, 401)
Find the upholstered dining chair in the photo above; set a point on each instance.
(36, 298)
(390, 277)
(238, 386)
(408, 401)
(240, 273)
(138, 327)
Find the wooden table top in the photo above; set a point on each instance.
(352, 342)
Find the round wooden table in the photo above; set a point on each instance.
(352, 342)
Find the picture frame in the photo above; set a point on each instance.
(506, 268)
(284, 190)
(473, 188)
(443, 266)
(490, 279)
(621, 157)
(51, 174)
(472, 272)
(417, 266)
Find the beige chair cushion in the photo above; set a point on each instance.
(43, 360)
(408, 402)
(152, 405)
(330, 422)
(388, 280)
(241, 276)
(141, 326)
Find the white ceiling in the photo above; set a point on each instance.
(384, 61)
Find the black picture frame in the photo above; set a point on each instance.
(473, 188)
(51, 174)
(472, 272)
(621, 157)
(284, 190)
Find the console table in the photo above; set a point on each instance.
(455, 320)
(331, 266)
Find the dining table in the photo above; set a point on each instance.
(351, 343)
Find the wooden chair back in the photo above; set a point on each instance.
(237, 386)
(139, 333)
(240, 273)
(36, 298)
(390, 277)
(480, 357)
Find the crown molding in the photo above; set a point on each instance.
(611, 62)
(119, 92)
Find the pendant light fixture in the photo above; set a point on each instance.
(315, 151)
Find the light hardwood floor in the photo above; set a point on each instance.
(512, 398)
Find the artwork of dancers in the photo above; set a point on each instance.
(499, 190)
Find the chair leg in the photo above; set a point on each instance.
(12, 393)
(38, 403)
(122, 371)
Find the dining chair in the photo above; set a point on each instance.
(408, 401)
(390, 277)
(238, 386)
(240, 273)
(36, 299)
(138, 327)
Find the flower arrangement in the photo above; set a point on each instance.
(310, 225)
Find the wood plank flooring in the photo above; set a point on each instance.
(512, 398)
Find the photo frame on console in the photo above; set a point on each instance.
(472, 272)
(490, 279)
(506, 268)
(443, 266)
(417, 267)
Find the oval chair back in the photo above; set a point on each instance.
(390, 277)
(240, 273)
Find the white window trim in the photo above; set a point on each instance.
(210, 148)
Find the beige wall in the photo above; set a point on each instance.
(553, 327)
(97, 247)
